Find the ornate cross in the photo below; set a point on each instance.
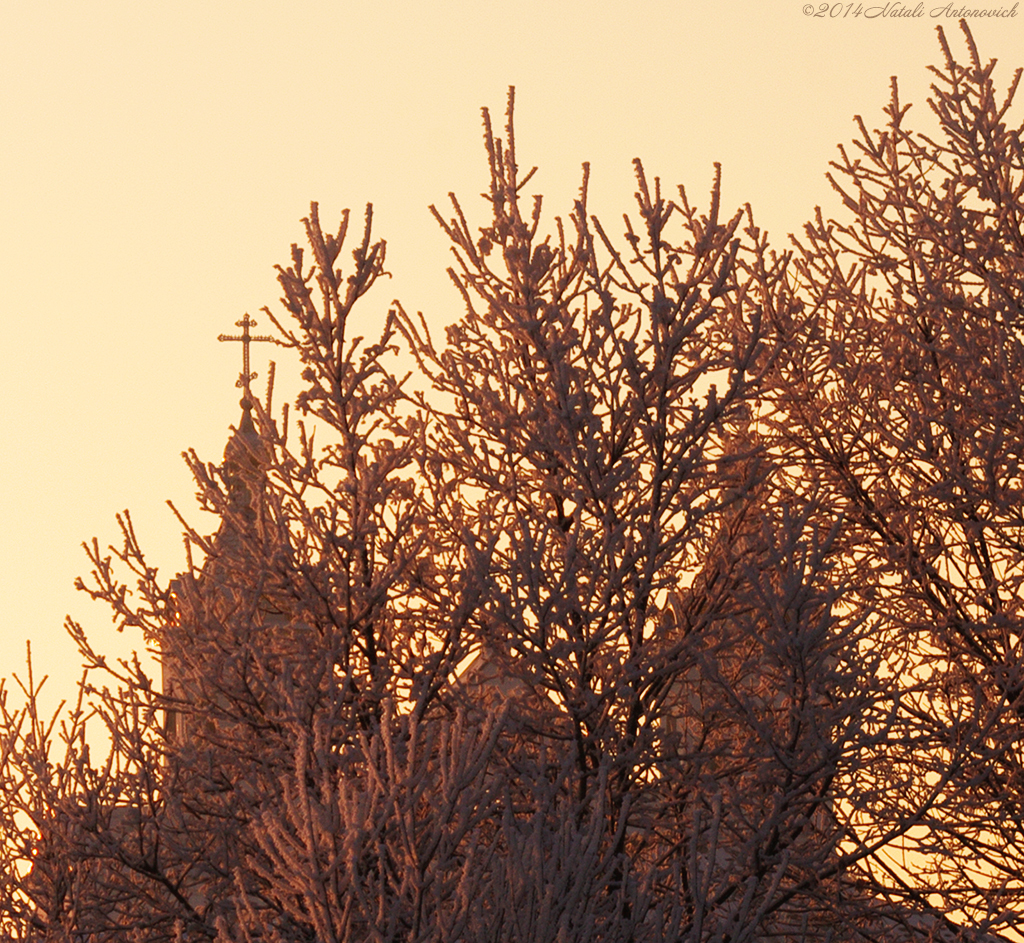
(246, 338)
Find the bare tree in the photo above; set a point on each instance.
(655, 616)
(649, 581)
(900, 394)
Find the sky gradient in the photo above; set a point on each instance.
(158, 158)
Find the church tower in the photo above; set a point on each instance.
(210, 611)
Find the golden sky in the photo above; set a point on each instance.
(157, 158)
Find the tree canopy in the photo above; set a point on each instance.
(675, 595)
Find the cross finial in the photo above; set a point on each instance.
(246, 338)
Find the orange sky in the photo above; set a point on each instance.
(157, 159)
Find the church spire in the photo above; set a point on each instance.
(244, 452)
(245, 377)
(209, 610)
